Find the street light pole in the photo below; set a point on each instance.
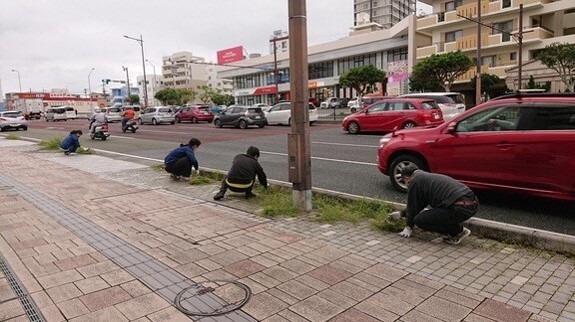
(19, 80)
(90, 87)
(155, 81)
(127, 80)
(141, 42)
(478, 63)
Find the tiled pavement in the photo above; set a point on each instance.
(96, 239)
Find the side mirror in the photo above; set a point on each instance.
(451, 128)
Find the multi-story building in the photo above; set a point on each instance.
(451, 27)
(154, 83)
(383, 12)
(184, 70)
(280, 40)
(255, 79)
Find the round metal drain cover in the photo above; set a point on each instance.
(213, 298)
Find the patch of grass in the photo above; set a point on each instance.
(158, 167)
(205, 177)
(50, 144)
(275, 201)
(81, 150)
(12, 136)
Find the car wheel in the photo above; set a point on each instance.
(24, 128)
(408, 125)
(217, 123)
(92, 136)
(124, 129)
(353, 128)
(353, 109)
(133, 130)
(397, 165)
(261, 125)
(154, 122)
(194, 120)
(104, 138)
(178, 120)
(173, 122)
(243, 124)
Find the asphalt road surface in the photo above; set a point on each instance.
(340, 162)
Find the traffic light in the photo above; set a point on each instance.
(106, 81)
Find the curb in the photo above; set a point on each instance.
(502, 232)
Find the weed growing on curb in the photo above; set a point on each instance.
(81, 150)
(158, 167)
(205, 177)
(50, 144)
(12, 136)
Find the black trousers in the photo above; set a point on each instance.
(182, 167)
(445, 221)
(225, 186)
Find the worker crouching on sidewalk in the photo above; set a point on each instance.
(242, 175)
(452, 203)
(179, 161)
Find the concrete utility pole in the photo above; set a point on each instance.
(299, 156)
(141, 42)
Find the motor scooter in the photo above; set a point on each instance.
(100, 132)
(131, 125)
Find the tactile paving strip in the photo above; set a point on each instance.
(159, 277)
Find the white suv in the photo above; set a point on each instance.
(450, 103)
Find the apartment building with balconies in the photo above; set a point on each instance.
(452, 27)
(386, 13)
(184, 70)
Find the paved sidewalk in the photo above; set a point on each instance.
(90, 238)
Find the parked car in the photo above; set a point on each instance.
(332, 102)
(156, 115)
(55, 114)
(33, 115)
(281, 114)
(367, 100)
(354, 105)
(194, 114)
(113, 114)
(314, 101)
(241, 116)
(451, 103)
(394, 113)
(13, 120)
(523, 143)
(71, 112)
(263, 106)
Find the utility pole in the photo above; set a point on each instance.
(127, 81)
(276, 73)
(478, 63)
(141, 42)
(299, 156)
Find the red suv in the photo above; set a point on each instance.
(394, 113)
(521, 143)
(195, 114)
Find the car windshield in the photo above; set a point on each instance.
(12, 114)
(114, 110)
(204, 109)
(165, 110)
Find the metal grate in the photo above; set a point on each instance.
(27, 303)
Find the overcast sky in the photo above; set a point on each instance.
(55, 43)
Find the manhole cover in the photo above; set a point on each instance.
(213, 298)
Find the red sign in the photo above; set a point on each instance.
(265, 90)
(230, 55)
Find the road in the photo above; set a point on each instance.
(340, 162)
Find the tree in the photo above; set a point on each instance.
(560, 58)
(362, 78)
(532, 85)
(440, 70)
(168, 96)
(133, 99)
(185, 95)
(492, 85)
(222, 99)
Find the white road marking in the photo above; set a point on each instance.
(326, 159)
(346, 144)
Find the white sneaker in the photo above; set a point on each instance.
(457, 239)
